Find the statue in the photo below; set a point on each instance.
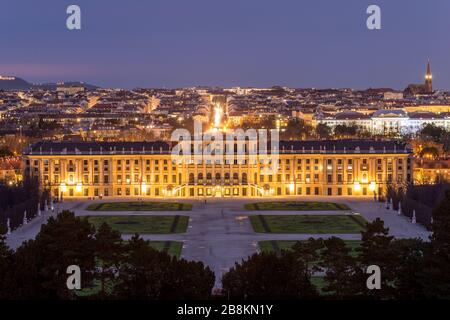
(8, 226)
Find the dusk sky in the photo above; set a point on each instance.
(176, 43)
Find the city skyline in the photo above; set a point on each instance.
(160, 44)
(427, 78)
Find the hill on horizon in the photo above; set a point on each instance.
(17, 83)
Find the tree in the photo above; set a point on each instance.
(5, 151)
(187, 280)
(323, 131)
(108, 251)
(6, 256)
(408, 272)
(148, 274)
(296, 129)
(431, 130)
(268, 276)
(307, 255)
(436, 278)
(340, 268)
(141, 273)
(429, 152)
(342, 131)
(376, 249)
(40, 265)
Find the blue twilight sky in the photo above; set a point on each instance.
(174, 43)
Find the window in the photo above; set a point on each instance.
(350, 164)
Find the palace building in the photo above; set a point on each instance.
(147, 169)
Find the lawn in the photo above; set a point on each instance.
(296, 206)
(313, 224)
(143, 224)
(277, 245)
(140, 206)
(172, 248)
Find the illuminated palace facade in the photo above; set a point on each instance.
(147, 169)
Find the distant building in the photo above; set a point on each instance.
(418, 89)
(388, 121)
(393, 95)
(431, 171)
(69, 89)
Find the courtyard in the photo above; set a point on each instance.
(219, 232)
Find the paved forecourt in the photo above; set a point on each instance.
(219, 232)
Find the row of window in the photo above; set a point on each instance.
(136, 191)
(165, 162)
